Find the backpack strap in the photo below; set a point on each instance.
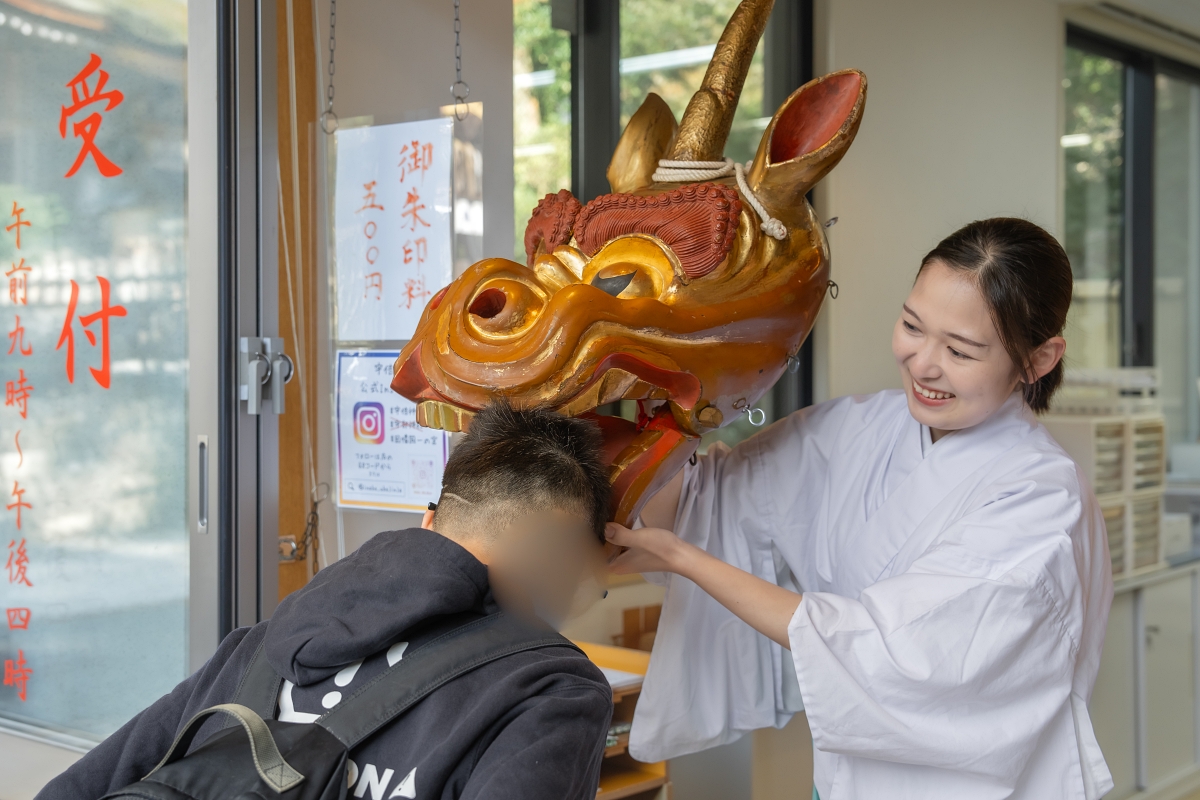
(268, 761)
(259, 689)
(430, 667)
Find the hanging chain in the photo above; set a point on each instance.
(310, 540)
(329, 120)
(460, 90)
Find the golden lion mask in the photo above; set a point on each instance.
(666, 291)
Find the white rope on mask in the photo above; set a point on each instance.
(690, 171)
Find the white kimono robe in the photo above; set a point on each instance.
(954, 608)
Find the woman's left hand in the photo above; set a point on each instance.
(645, 549)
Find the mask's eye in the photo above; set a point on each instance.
(613, 285)
(625, 280)
(631, 266)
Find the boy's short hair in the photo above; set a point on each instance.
(514, 460)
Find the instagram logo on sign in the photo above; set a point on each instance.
(368, 423)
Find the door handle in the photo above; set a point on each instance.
(263, 369)
(202, 484)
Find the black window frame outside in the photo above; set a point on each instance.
(1137, 291)
(595, 31)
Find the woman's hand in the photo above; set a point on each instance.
(765, 606)
(645, 549)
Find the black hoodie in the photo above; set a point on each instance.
(531, 725)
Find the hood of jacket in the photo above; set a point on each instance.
(367, 601)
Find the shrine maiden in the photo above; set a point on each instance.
(928, 567)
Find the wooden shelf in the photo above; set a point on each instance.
(620, 747)
(622, 776)
(622, 658)
(627, 782)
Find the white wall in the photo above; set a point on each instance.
(961, 123)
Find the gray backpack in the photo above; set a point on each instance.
(255, 759)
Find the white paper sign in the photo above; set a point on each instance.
(393, 218)
(385, 459)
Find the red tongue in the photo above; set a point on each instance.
(644, 457)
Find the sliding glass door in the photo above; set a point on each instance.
(102, 294)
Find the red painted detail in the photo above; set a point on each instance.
(698, 222)
(814, 117)
(551, 223)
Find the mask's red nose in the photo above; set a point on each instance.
(410, 382)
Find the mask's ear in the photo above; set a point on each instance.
(806, 139)
(645, 140)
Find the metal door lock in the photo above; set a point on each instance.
(288, 549)
(263, 370)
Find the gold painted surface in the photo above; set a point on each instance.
(443, 416)
(709, 114)
(649, 133)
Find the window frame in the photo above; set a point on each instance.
(1139, 124)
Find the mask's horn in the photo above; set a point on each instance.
(709, 114)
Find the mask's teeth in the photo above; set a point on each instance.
(443, 416)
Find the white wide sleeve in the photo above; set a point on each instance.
(712, 677)
(962, 661)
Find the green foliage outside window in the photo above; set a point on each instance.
(1093, 204)
(541, 111)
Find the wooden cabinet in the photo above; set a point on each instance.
(621, 776)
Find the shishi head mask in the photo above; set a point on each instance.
(687, 288)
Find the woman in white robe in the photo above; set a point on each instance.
(927, 571)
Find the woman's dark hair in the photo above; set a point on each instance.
(516, 460)
(1025, 278)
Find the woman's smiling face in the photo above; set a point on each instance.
(955, 369)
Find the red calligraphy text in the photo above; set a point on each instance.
(17, 284)
(412, 210)
(103, 376)
(16, 393)
(414, 158)
(16, 340)
(18, 618)
(83, 95)
(415, 291)
(416, 250)
(18, 560)
(369, 198)
(374, 282)
(17, 674)
(18, 224)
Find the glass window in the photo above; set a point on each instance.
(94, 313)
(1177, 253)
(1093, 142)
(541, 111)
(665, 48)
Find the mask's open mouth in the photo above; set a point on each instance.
(644, 454)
